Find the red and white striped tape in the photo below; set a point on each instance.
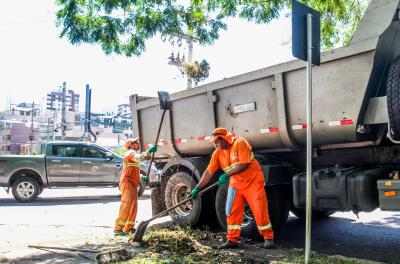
(342, 122)
(204, 138)
(180, 140)
(299, 126)
(269, 130)
(163, 142)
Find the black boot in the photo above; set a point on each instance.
(228, 245)
(268, 243)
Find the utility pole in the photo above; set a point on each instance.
(48, 130)
(31, 137)
(63, 119)
(190, 58)
(54, 124)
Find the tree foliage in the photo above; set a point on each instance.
(123, 26)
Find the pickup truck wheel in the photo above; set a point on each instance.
(248, 228)
(393, 97)
(177, 189)
(25, 189)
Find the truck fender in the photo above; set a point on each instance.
(15, 174)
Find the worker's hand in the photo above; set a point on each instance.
(223, 179)
(144, 178)
(194, 192)
(152, 149)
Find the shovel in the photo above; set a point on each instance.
(141, 229)
(165, 104)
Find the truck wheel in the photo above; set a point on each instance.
(249, 227)
(157, 204)
(278, 209)
(279, 197)
(393, 97)
(177, 189)
(25, 189)
(142, 185)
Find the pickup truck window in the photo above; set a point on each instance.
(65, 150)
(92, 152)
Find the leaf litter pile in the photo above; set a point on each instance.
(170, 244)
(174, 244)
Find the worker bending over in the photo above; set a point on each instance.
(235, 157)
(129, 182)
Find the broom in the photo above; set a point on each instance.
(141, 229)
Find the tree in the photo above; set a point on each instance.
(123, 26)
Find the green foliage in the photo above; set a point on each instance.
(123, 26)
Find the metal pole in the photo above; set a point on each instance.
(31, 137)
(309, 139)
(54, 124)
(190, 58)
(63, 111)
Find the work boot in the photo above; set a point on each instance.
(119, 233)
(268, 243)
(130, 232)
(228, 245)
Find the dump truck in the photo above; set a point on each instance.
(355, 130)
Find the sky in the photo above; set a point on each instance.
(34, 60)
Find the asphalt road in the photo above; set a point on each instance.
(72, 216)
(374, 236)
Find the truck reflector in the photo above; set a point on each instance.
(389, 193)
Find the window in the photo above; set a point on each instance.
(65, 150)
(92, 152)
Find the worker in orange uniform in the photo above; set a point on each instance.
(129, 182)
(235, 157)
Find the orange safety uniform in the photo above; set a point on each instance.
(247, 186)
(129, 182)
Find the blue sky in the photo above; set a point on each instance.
(34, 60)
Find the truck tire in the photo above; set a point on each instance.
(177, 189)
(393, 97)
(142, 185)
(278, 208)
(157, 204)
(249, 227)
(25, 189)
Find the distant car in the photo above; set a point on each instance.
(64, 164)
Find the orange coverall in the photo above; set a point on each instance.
(129, 182)
(247, 186)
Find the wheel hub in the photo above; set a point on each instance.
(180, 193)
(25, 189)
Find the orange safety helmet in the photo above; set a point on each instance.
(130, 141)
(222, 133)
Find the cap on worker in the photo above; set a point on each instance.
(130, 141)
(222, 133)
